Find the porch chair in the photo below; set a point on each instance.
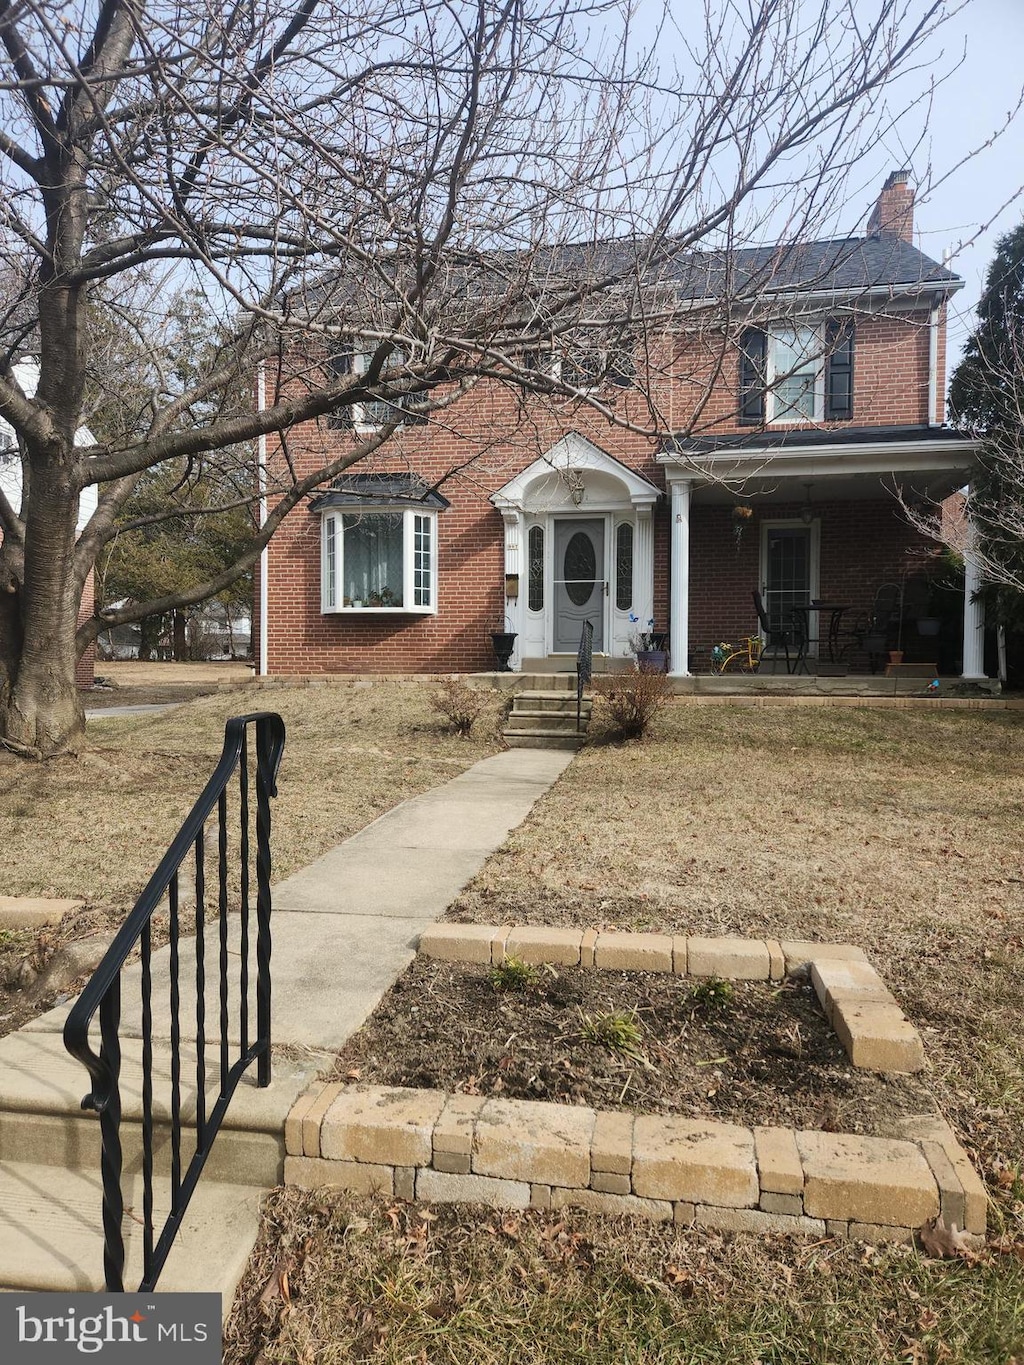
(870, 631)
(774, 640)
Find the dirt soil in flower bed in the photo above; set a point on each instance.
(764, 1055)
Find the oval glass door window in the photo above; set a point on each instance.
(579, 568)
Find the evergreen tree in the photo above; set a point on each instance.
(986, 398)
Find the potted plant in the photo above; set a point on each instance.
(503, 643)
(648, 646)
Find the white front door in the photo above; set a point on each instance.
(578, 582)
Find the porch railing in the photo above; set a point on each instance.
(103, 994)
(584, 666)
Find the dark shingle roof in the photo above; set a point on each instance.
(840, 265)
(847, 265)
(380, 490)
(790, 438)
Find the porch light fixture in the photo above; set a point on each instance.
(807, 511)
(574, 479)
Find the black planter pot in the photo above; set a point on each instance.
(656, 660)
(504, 642)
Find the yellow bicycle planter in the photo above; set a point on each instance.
(744, 657)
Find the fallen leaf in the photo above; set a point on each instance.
(276, 1286)
(940, 1240)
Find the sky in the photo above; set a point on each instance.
(969, 106)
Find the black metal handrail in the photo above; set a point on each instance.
(102, 995)
(584, 666)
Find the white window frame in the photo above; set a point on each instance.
(360, 362)
(603, 354)
(785, 335)
(332, 561)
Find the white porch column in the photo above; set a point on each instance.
(643, 566)
(974, 615)
(513, 519)
(679, 581)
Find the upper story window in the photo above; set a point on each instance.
(796, 374)
(378, 545)
(393, 404)
(586, 365)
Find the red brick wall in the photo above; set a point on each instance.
(86, 669)
(492, 435)
(890, 375)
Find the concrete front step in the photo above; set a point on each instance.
(53, 1232)
(543, 739)
(556, 722)
(563, 703)
(42, 1122)
(564, 666)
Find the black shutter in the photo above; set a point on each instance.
(839, 372)
(339, 363)
(753, 355)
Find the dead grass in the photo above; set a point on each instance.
(899, 831)
(131, 683)
(343, 1280)
(131, 673)
(94, 826)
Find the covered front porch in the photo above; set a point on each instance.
(802, 538)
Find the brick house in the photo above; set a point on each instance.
(810, 410)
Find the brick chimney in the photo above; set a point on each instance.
(893, 215)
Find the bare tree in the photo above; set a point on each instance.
(435, 183)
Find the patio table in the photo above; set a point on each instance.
(833, 611)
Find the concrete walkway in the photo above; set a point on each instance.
(347, 925)
(343, 929)
(154, 708)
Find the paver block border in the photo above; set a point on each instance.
(781, 1196)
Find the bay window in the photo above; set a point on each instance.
(379, 559)
(378, 544)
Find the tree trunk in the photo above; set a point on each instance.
(150, 628)
(40, 707)
(180, 637)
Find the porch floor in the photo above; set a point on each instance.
(772, 685)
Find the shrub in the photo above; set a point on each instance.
(617, 1030)
(512, 975)
(628, 702)
(713, 993)
(458, 703)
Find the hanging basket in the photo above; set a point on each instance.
(741, 514)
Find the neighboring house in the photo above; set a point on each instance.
(26, 374)
(825, 398)
(212, 631)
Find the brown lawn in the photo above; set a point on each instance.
(897, 830)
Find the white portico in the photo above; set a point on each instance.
(579, 546)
